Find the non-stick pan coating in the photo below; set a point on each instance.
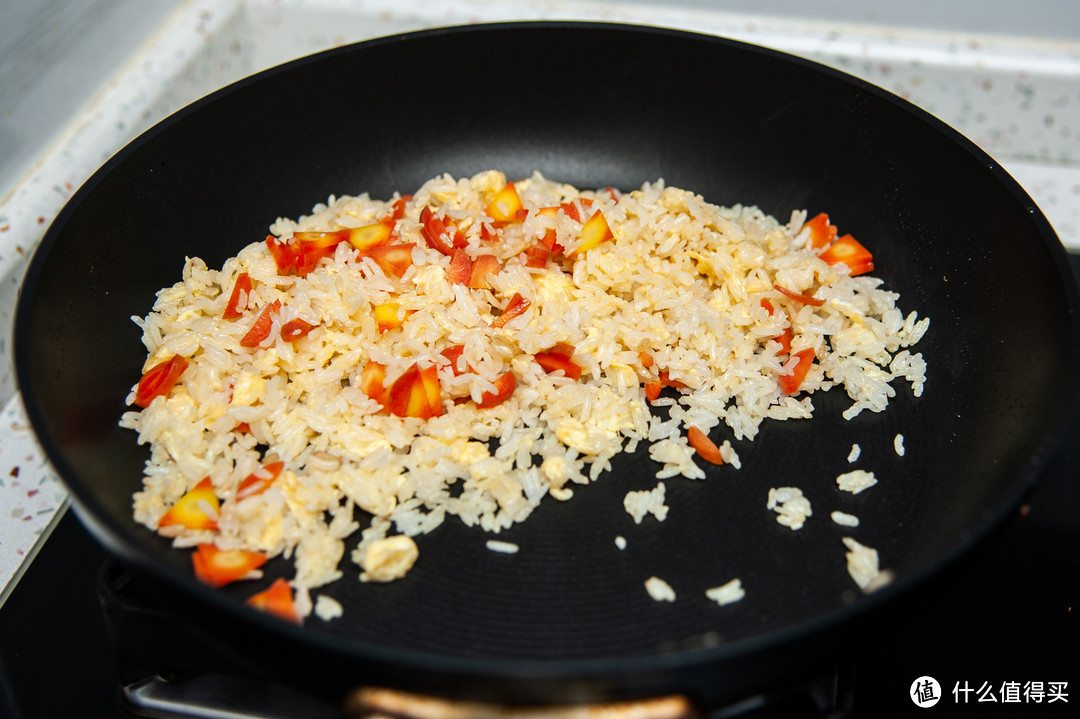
(592, 105)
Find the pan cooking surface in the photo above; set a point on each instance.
(591, 105)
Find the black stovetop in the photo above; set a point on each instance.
(1002, 618)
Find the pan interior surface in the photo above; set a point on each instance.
(594, 106)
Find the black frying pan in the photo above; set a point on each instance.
(593, 105)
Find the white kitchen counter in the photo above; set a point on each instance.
(1017, 97)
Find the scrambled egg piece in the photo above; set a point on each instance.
(389, 559)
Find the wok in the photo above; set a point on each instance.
(593, 105)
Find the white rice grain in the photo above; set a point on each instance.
(856, 481)
(727, 593)
(659, 590)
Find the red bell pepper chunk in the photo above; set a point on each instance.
(516, 306)
(652, 389)
(260, 329)
(373, 235)
(488, 233)
(434, 231)
(821, 232)
(505, 385)
(785, 339)
(238, 300)
(320, 240)
(790, 383)
(483, 267)
(159, 380)
(295, 329)
(562, 348)
(593, 233)
(416, 393)
(371, 381)
(537, 254)
(571, 210)
(388, 316)
(554, 361)
(259, 481)
(277, 599)
(453, 353)
(393, 259)
(705, 447)
(506, 204)
(196, 509)
(397, 209)
(308, 256)
(460, 268)
(851, 252)
(284, 255)
(218, 567)
(799, 297)
(666, 381)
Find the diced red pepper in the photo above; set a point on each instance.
(397, 209)
(373, 235)
(652, 388)
(799, 297)
(416, 393)
(571, 210)
(666, 381)
(197, 509)
(516, 306)
(784, 338)
(283, 254)
(393, 259)
(277, 599)
(593, 233)
(506, 204)
(537, 254)
(218, 567)
(320, 240)
(388, 316)
(243, 428)
(260, 328)
(460, 268)
(431, 404)
(259, 481)
(851, 252)
(239, 298)
(488, 233)
(505, 384)
(790, 383)
(554, 361)
(159, 380)
(295, 329)
(705, 447)
(453, 353)
(483, 267)
(435, 233)
(371, 381)
(821, 232)
(308, 256)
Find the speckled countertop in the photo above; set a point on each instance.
(1016, 97)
